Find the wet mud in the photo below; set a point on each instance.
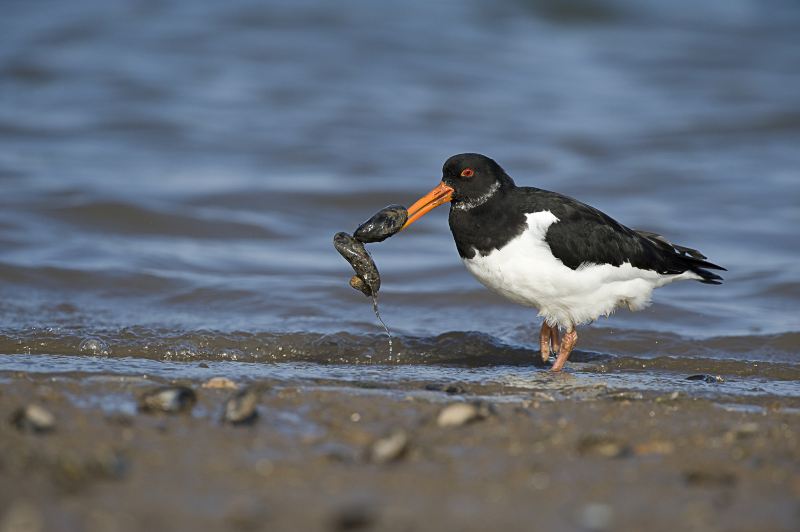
(397, 456)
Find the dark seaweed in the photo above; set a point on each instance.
(382, 225)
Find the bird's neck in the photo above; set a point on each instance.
(487, 225)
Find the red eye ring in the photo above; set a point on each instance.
(467, 172)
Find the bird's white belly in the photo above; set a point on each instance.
(526, 272)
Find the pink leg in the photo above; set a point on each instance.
(567, 344)
(554, 339)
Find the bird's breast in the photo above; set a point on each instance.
(523, 269)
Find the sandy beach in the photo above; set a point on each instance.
(332, 457)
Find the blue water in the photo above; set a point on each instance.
(177, 168)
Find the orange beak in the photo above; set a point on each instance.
(439, 195)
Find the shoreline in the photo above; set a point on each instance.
(583, 458)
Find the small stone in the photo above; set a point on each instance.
(33, 418)
(602, 445)
(202, 365)
(390, 448)
(596, 516)
(657, 447)
(458, 414)
(710, 379)
(740, 432)
(241, 408)
(709, 478)
(625, 395)
(668, 398)
(745, 430)
(220, 383)
(168, 399)
(354, 517)
(120, 419)
(543, 396)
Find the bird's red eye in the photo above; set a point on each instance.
(467, 172)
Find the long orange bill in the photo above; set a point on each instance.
(439, 195)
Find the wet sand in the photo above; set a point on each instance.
(583, 457)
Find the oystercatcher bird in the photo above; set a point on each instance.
(549, 251)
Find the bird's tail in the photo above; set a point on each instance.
(690, 259)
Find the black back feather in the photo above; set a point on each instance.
(582, 235)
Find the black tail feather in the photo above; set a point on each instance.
(690, 259)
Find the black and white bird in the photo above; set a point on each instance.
(548, 251)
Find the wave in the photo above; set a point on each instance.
(770, 356)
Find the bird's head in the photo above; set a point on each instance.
(468, 180)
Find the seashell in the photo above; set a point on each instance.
(382, 225)
(168, 399)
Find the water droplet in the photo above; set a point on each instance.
(93, 346)
(385, 328)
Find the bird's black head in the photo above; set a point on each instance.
(473, 177)
(468, 180)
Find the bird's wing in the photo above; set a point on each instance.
(585, 235)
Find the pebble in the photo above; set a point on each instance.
(34, 418)
(241, 408)
(745, 430)
(624, 395)
(655, 447)
(458, 414)
(709, 478)
(602, 445)
(543, 396)
(390, 448)
(220, 383)
(168, 399)
(354, 516)
(596, 516)
(674, 396)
